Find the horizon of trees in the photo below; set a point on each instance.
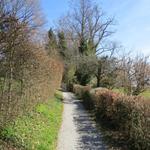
(83, 36)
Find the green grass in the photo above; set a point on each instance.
(146, 94)
(37, 130)
(119, 90)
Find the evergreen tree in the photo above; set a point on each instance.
(52, 43)
(62, 45)
(83, 46)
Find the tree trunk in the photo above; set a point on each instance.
(98, 76)
(98, 81)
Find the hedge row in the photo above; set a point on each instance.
(128, 114)
(34, 83)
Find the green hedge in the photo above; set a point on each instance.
(80, 90)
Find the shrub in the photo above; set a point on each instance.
(34, 83)
(79, 90)
(87, 100)
(127, 114)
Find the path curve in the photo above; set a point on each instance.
(78, 130)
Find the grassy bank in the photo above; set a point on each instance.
(145, 94)
(37, 130)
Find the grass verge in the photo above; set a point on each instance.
(146, 94)
(37, 130)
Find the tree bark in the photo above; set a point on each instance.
(98, 76)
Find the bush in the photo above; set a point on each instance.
(79, 90)
(87, 100)
(34, 83)
(127, 114)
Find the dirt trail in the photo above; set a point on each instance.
(78, 130)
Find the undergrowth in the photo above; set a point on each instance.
(37, 130)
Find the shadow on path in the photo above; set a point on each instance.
(90, 137)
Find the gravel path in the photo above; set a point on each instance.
(78, 130)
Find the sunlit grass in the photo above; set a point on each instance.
(119, 90)
(39, 129)
(146, 94)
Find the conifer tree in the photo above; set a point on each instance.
(51, 47)
(62, 45)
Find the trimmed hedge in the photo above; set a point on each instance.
(128, 114)
(80, 90)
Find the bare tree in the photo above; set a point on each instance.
(19, 20)
(134, 73)
(87, 24)
(141, 74)
(86, 27)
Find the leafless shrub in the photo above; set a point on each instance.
(27, 75)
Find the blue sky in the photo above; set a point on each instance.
(132, 20)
